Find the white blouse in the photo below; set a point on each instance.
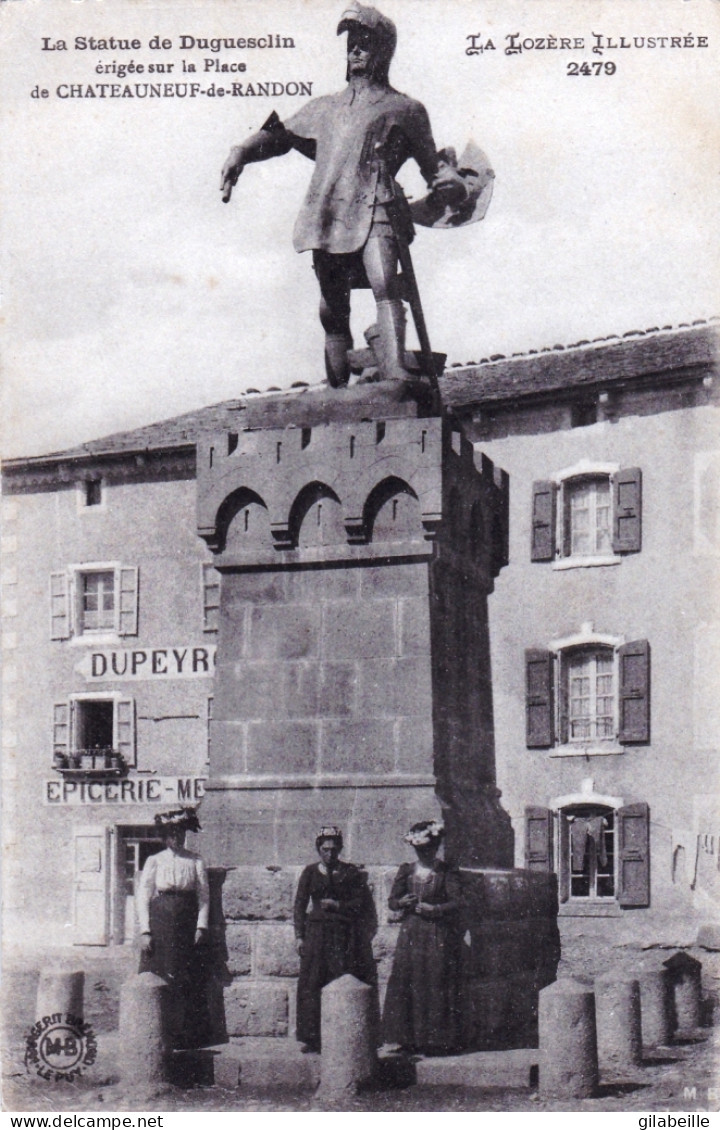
(172, 871)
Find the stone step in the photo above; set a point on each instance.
(257, 1064)
(516, 1067)
(263, 1063)
(260, 1063)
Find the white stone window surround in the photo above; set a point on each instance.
(579, 907)
(81, 496)
(92, 636)
(75, 700)
(589, 469)
(587, 639)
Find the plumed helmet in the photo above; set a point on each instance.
(384, 35)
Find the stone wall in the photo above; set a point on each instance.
(510, 950)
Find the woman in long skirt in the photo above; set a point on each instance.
(172, 902)
(421, 1011)
(334, 924)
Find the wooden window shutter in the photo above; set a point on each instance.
(544, 499)
(211, 597)
(538, 839)
(60, 624)
(634, 694)
(563, 691)
(633, 824)
(128, 601)
(539, 708)
(627, 506)
(125, 729)
(563, 857)
(61, 727)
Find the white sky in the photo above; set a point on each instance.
(131, 293)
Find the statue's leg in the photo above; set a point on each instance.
(380, 258)
(333, 275)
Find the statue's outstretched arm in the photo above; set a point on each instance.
(262, 145)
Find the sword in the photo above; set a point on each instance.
(408, 271)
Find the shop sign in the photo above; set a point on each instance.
(110, 664)
(131, 791)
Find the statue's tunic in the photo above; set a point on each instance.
(346, 128)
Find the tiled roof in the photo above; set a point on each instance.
(608, 361)
(538, 373)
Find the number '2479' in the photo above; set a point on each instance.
(591, 68)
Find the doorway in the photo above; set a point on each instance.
(136, 843)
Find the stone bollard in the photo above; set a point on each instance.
(655, 1008)
(685, 974)
(346, 1032)
(617, 1015)
(61, 990)
(144, 1001)
(568, 1043)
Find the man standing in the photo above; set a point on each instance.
(354, 213)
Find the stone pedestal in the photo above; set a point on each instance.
(617, 1008)
(144, 1051)
(353, 668)
(60, 991)
(685, 973)
(357, 538)
(655, 1008)
(568, 1043)
(348, 1037)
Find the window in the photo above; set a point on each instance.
(97, 601)
(600, 853)
(86, 600)
(93, 492)
(210, 580)
(209, 726)
(590, 834)
(587, 516)
(89, 730)
(587, 694)
(589, 690)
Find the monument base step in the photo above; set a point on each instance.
(267, 1063)
(260, 1064)
(515, 1067)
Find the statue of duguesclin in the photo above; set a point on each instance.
(355, 218)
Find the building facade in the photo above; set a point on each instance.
(604, 625)
(603, 631)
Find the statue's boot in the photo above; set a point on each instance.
(391, 344)
(337, 365)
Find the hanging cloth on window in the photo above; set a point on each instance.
(578, 842)
(595, 827)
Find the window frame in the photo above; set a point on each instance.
(581, 473)
(548, 848)
(547, 695)
(563, 698)
(551, 515)
(82, 486)
(67, 611)
(563, 840)
(210, 592)
(66, 719)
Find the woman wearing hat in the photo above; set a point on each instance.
(334, 923)
(421, 1004)
(172, 902)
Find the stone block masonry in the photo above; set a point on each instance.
(506, 959)
(353, 687)
(355, 560)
